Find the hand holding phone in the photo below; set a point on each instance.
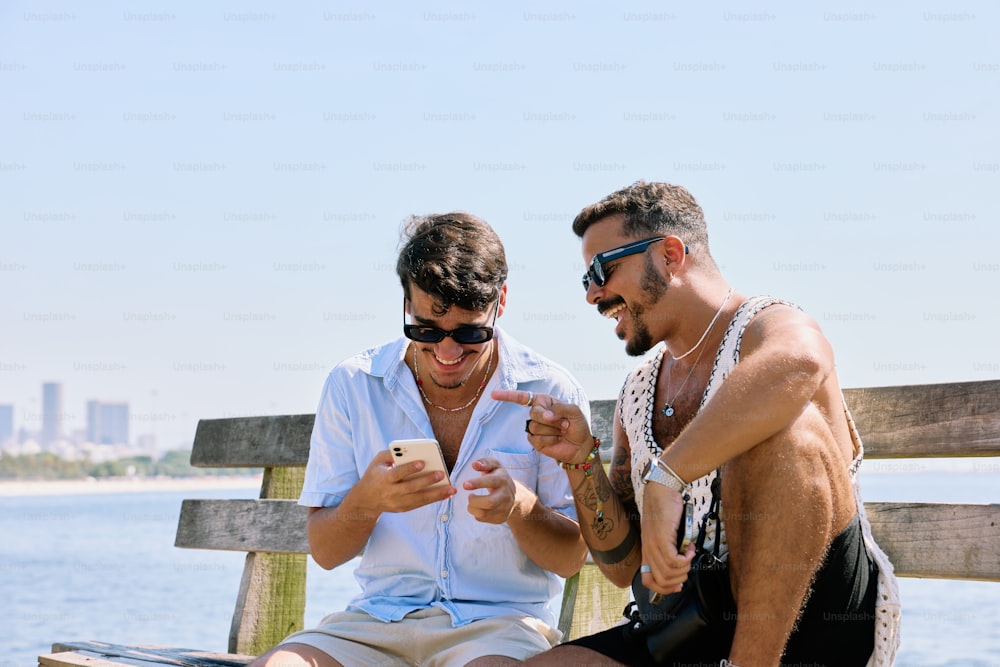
(685, 535)
(421, 449)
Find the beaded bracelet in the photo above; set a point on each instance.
(594, 453)
(588, 472)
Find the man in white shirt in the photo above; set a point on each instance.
(461, 573)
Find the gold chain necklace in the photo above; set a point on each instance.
(420, 384)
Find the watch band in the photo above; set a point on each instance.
(660, 476)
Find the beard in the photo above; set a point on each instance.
(655, 287)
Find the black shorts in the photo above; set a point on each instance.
(836, 627)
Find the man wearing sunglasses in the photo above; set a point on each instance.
(454, 574)
(740, 388)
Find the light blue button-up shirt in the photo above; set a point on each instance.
(439, 555)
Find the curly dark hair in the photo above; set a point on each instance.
(650, 209)
(456, 257)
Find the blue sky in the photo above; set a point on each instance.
(201, 201)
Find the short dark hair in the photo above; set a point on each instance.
(456, 257)
(650, 209)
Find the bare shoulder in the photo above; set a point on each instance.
(781, 323)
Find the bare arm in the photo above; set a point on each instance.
(784, 362)
(338, 534)
(559, 430)
(785, 359)
(614, 542)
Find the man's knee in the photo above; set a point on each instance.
(295, 655)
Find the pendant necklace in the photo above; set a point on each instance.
(420, 384)
(668, 407)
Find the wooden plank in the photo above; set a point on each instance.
(939, 540)
(567, 607)
(939, 420)
(923, 540)
(86, 659)
(932, 420)
(272, 599)
(597, 604)
(102, 654)
(913, 421)
(252, 442)
(276, 526)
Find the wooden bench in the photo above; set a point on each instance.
(918, 421)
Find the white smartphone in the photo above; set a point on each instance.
(421, 449)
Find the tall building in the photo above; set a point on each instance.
(52, 413)
(6, 424)
(107, 423)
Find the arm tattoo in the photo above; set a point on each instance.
(620, 552)
(620, 476)
(587, 492)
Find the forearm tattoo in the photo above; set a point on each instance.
(620, 552)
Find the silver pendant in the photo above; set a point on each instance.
(668, 410)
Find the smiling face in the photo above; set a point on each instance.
(448, 364)
(633, 285)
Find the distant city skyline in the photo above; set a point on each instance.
(107, 423)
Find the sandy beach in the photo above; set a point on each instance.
(125, 485)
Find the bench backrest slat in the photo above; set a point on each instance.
(922, 539)
(252, 442)
(931, 420)
(916, 421)
(934, 420)
(277, 526)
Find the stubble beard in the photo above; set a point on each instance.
(459, 383)
(655, 287)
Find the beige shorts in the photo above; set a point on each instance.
(425, 638)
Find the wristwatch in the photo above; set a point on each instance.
(662, 477)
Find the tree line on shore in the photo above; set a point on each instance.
(48, 466)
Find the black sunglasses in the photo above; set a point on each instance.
(596, 271)
(461, 335)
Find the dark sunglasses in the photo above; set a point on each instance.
(596, 271)
(461, 335)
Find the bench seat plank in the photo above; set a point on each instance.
(101, 654)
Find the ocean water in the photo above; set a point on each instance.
(103, 567)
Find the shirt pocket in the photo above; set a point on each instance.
(521, 466)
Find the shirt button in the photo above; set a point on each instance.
(444, 574)
(444, 517)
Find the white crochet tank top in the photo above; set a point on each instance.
(636, 408)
